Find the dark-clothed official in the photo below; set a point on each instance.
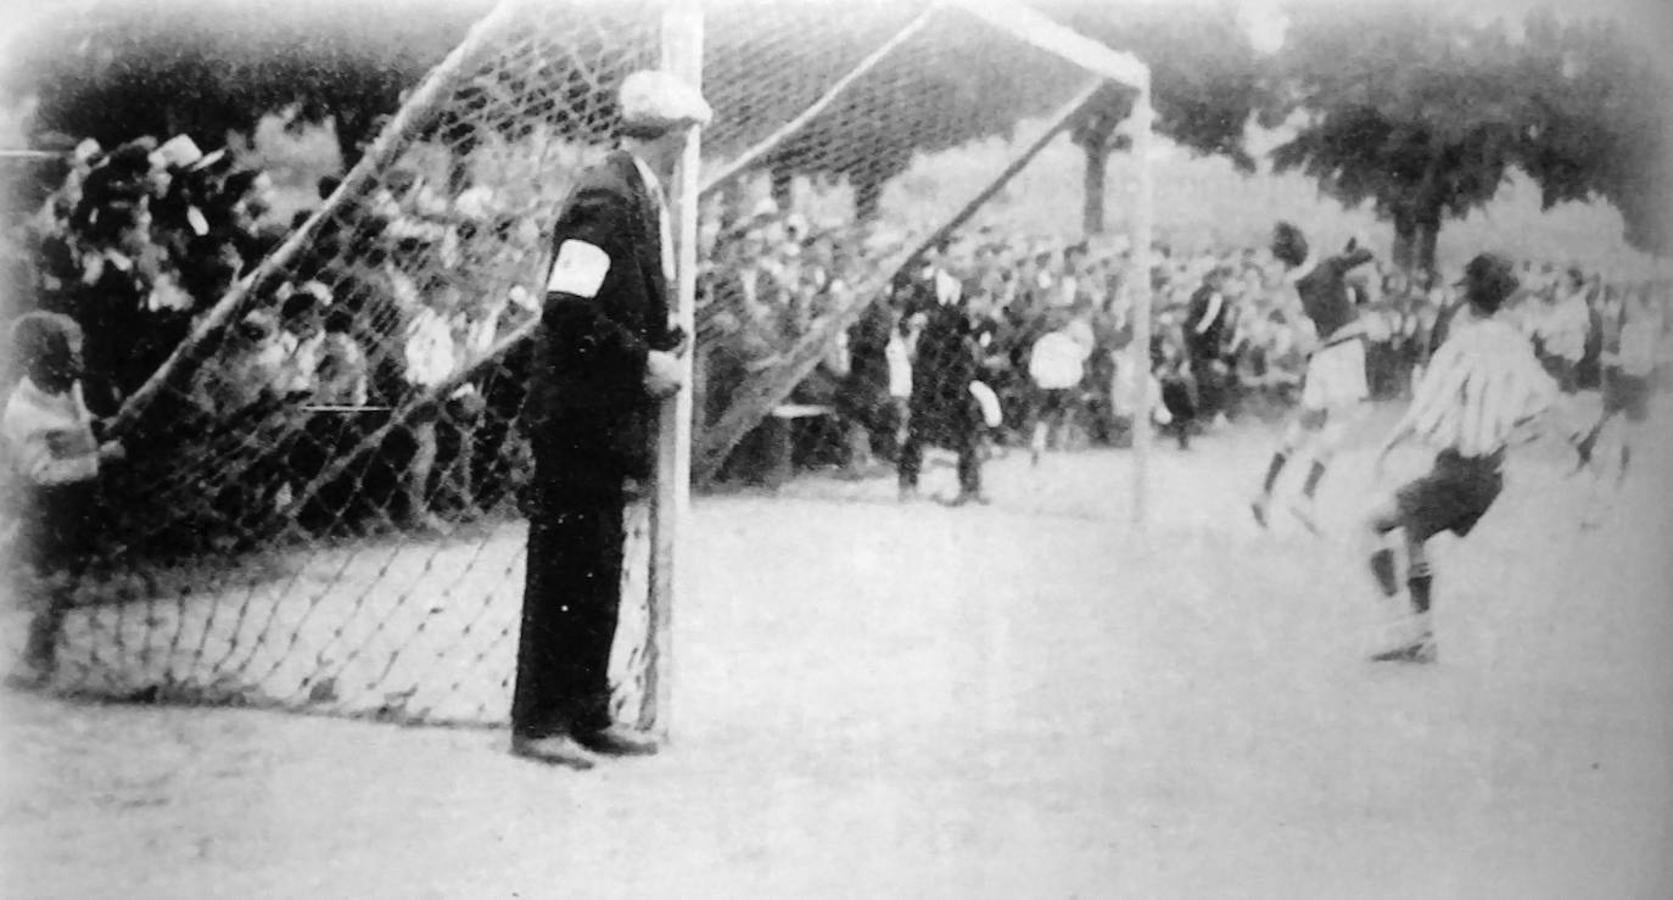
(943, 411)
(1208, 328)
(605, 355)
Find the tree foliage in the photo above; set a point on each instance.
(1602, 125)
(1419, 111)
(1423, 113)
(1206, 77)
(118, 69)
(1207, 82)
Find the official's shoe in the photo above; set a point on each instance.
(908, 494)
(28, 678)
(1411, 640)
(966, 498)
(617, 740)
(556, 750)
(1259, 507)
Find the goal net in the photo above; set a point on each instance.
(320, 507)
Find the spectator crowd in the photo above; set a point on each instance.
(368, 344)
(1052, 327)
(365, 343)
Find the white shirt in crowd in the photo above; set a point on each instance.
(34, 421)
(340, 376)
(430, 352)
(1058, 359)
(899, 355)
(302, 356)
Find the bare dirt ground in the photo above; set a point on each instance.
(1029, 699)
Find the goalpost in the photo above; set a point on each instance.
(282, 548)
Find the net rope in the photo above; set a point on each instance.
(319, 510)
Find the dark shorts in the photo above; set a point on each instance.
(59, 526)
(1455, 494)
(1051, 402)
(1561, 371)
(1628, 395)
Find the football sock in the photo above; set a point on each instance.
(1382, 567)
(1314, 476)
(1419, 583)
(1273, 470)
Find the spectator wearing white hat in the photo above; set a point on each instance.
(604, 358)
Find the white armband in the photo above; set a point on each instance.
(579, 269)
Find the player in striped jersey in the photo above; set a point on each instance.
(1334, 388)
(1481, 388)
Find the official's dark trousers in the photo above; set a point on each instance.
(965, 443)
(571, 598)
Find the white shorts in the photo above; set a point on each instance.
(1336, 377)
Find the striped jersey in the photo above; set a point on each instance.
(1479, 386)
(1559, 327)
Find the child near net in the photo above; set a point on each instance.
(53, 463)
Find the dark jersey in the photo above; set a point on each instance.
(1325, 297)
(1207, 324)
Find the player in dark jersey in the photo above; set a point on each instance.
(1334, 388)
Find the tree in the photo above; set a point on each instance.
(1418, 111)
(1094, 133)
(118, 69)
(1602, 126)
(1206, 79)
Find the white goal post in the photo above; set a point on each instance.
(1042, 32)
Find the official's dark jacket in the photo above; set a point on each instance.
(588, 416)
(943, 411)
(1207, 341)
(589, 422)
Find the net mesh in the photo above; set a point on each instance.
(319, 505)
